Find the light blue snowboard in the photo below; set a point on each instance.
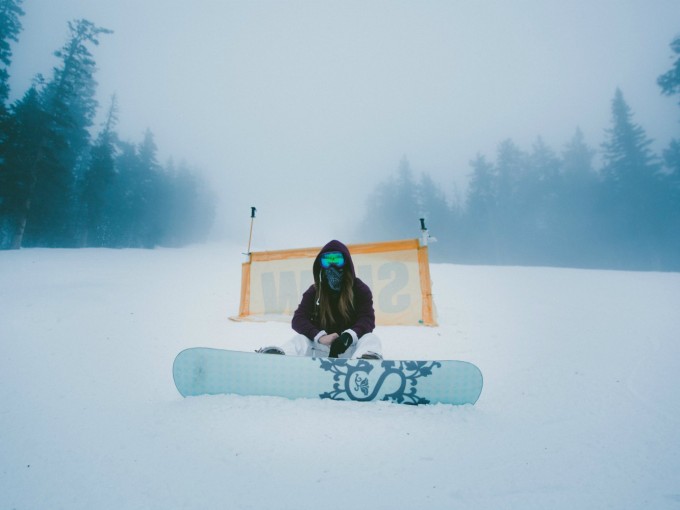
(201, 371)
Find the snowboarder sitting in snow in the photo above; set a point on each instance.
(335, 317)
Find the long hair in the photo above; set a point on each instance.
(335, 310)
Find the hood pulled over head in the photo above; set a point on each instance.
(333, 245)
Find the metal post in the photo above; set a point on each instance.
(424, 235)
(252, 220)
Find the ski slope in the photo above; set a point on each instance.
(580, 408)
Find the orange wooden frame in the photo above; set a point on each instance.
(428, 312)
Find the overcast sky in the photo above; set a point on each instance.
(302, 107)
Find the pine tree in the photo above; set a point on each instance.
(69, 100)
(511, 168)
(671, 205)
(434, 207)
(671, 157)
(670, 81)
(577, 163)
(97, 185)
(125, 202)
(23, 152)
(482, 194)
(670, 85)
(628, 159)
(577, 201)
(480, 220)
(537, 239)
(151, 194)
(10, 27)
(393, 208)
(631, 188)
(405, 206)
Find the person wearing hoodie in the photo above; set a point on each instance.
(335, 317)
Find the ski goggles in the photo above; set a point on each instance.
(332, 258)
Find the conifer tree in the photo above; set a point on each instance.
(151, 193)
(538, 230)
(540, 182)
(481, 197)
(631, 187)
(70, 104)
(511, 168)
(440, 219)
(22, 151)
(670, 85)
(393, 208)
(670, 80)
(577, 198)
(10, 27)
(480, 220)
(125, 197)
(628, 159)
(577, 162)
(97, 184)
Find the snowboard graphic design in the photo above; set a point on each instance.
(354, 380)
(201, 371)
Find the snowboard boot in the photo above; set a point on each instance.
(272, 349)
(371, 355)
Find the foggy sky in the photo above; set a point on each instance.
(301, 107)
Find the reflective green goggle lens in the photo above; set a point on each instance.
(333, 258)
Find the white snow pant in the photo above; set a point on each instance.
(300, 345)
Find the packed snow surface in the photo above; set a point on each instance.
(580, 409)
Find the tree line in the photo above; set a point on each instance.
(62, 187)
(541, 207)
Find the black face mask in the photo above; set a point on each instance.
(333, 277)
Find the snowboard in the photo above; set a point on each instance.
(206, 371)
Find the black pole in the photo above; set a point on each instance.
(252, 219)
(424, 234)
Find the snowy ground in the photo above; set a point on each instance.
(580, 410)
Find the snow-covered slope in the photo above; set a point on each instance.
(580, 407)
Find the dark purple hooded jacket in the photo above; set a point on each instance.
(362, 320)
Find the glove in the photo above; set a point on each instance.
(340, 345)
